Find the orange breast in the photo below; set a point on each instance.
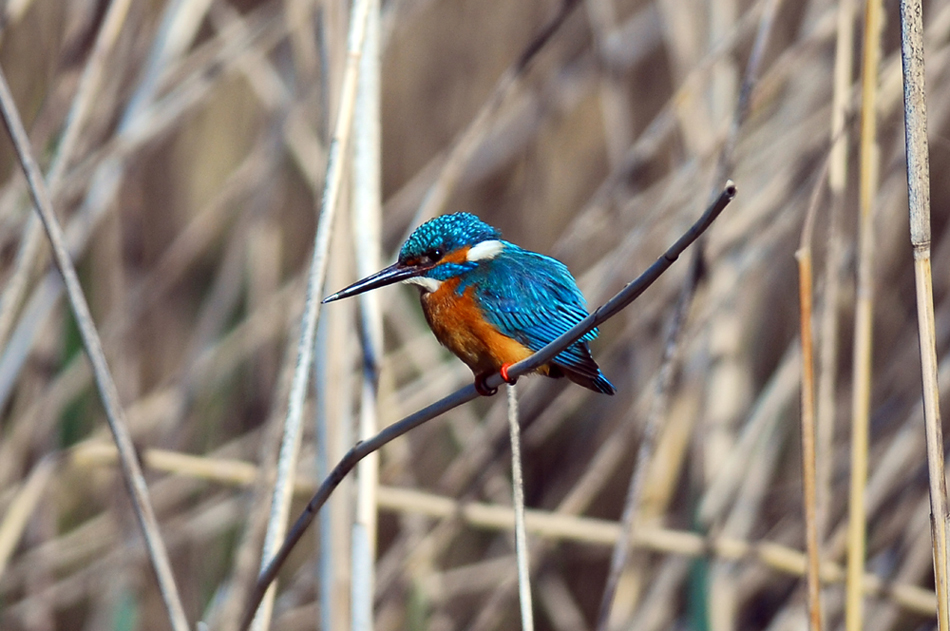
(459, 325)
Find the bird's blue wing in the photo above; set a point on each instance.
(534, 299)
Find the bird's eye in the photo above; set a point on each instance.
(428, 258)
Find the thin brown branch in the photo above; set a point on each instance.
(132, 472)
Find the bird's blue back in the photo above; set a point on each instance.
(533, 299)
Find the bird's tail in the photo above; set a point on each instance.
(577, 364)
(600, 383)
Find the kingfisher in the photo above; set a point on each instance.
(489, 301)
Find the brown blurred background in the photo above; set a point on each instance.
(191, 194)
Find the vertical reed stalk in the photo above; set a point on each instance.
(367, 210)
(864, 315)
(325, 566)
(521, 538)
(918, 194)
(837, 184)
(290, 445)
(808, 430)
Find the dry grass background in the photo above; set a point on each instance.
(191, 213)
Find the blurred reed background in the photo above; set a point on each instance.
(190, 187)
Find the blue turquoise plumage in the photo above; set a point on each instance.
(490, 301)
(534, 299)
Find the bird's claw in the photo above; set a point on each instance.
(480, 381)
(482, 388)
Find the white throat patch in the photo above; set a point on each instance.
(427, 284)
(485, 251)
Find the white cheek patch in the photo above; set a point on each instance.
(427, 284)
(485, 251)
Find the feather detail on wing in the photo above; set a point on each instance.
(534, 299)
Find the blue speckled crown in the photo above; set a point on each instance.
(447, 233)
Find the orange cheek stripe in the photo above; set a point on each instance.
(458, 256)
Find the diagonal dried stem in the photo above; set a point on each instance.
(669, 367)
(89, 87)
(131, 470)
(24, 503)
(439, 193)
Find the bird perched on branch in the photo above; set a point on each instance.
(489, 301)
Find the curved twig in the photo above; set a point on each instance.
(108, 393)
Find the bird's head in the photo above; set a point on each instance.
(441, 248)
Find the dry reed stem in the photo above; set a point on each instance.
(721, 588)
(658, 410)
(807, 421)
(916, 566)
(918, 192)
(132, 473)
(546, 145)
(517, 496)
(337, 424)
(308, 151)
(21, 507)
(863, 318)
(290, 444)
(668, 369)
(200, 524)
(438, 194)
(92, 537)
(726, 365)
(101, 180)
(837, 183)
(563, 610)
(765, 413)
(227, 614)
(539, 523)
(89, 87)
(366, 219)
(614, 103)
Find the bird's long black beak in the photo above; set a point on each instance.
(392, 274)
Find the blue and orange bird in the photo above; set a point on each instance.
(489, 301)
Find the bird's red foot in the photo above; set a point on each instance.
(482, 388)
(504, 375)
